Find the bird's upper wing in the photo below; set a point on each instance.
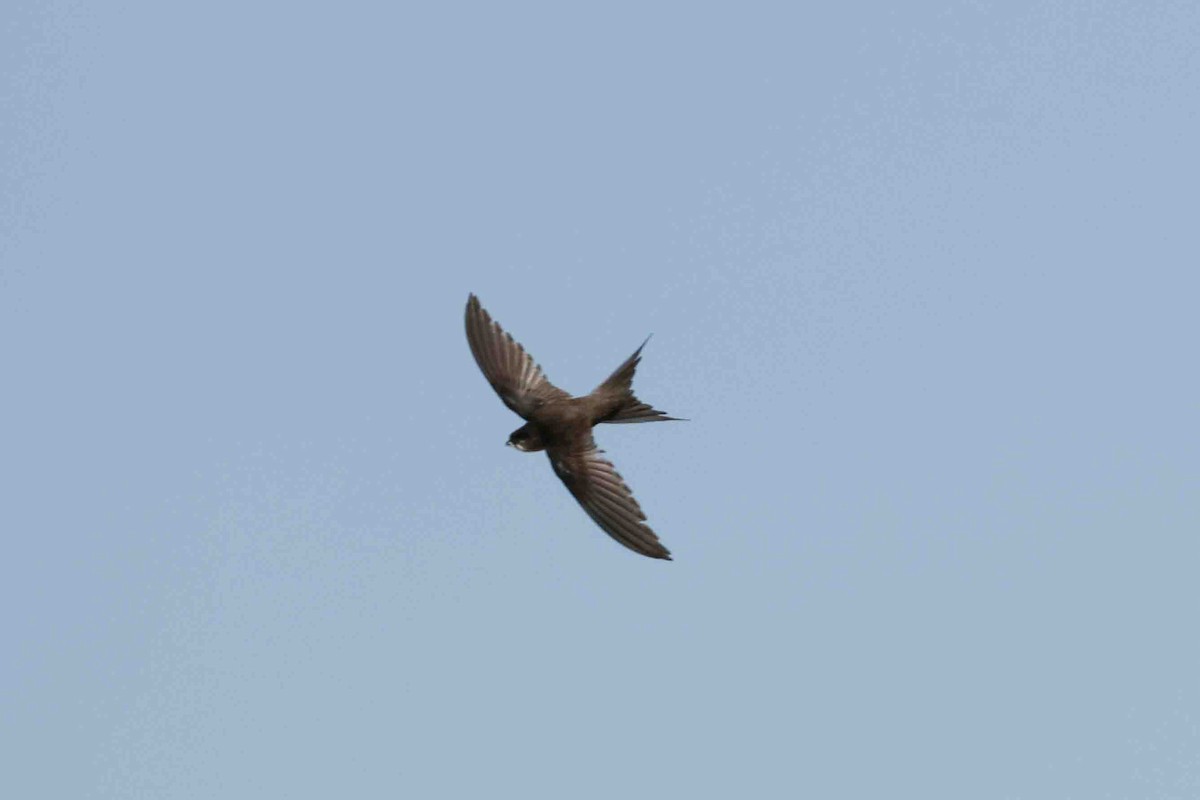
(605, 497)
(511, 371)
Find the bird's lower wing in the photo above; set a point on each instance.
(603, 494)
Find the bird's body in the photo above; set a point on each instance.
(562, 426)
(556, 424)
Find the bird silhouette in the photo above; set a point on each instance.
(562, 426)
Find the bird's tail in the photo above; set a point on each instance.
(621, 405)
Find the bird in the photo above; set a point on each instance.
(561, 425)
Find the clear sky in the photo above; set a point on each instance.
(924, 277)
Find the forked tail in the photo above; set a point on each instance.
(620, 403)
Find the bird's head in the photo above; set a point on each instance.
(526, 439)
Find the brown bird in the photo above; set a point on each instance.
(562, 426)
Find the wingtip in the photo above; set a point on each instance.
(659, 552)
(475, 308)
(662, 554)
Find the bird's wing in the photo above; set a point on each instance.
(511, 371)
(603, 494)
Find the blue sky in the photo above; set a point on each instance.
(924, 280)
